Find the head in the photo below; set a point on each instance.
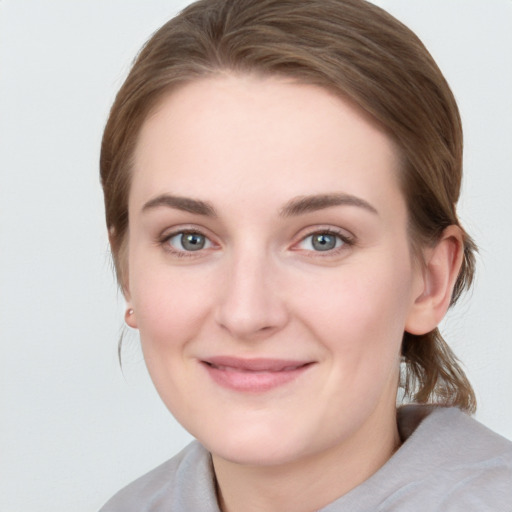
(352, 50)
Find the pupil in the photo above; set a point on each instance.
(192, 241)
(324, 242)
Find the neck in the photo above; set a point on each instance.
(311, 482)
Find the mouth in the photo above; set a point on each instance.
(254, 375)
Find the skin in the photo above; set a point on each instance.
(249, 149)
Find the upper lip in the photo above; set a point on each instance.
(260, 364)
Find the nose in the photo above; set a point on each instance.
(251, 306)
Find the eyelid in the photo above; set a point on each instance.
(347, 238)
(184, 234)
(170, 233)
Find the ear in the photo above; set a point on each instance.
(130, 317)
(129, 314)
(122, 275)
(441, 269)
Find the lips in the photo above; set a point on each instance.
(253, 375)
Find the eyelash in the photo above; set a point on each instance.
(346, 242)
(164, 242)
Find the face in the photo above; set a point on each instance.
(269, 267)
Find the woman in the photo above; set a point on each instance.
(280, 184)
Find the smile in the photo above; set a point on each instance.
(253, 375)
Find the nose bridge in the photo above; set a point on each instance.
(250, 303)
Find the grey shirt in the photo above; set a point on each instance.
(448, 462)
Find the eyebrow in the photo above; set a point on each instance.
(306, 204)
(185, 204)
(294, 207)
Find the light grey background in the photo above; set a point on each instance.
(73, 428)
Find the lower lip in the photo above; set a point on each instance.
(253, 381)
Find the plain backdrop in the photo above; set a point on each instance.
(73, 427)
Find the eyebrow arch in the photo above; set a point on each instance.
(185, 204)
(306, 204)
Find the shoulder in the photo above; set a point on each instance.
(456, 463)
(184, 482)
(461, 440)
(448, 461)
(476, 464)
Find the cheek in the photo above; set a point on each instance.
(171, 309)
(170, 305)
(358, 318)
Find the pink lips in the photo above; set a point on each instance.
(253, 375)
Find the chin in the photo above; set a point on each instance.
(263, 455)
(260, 446)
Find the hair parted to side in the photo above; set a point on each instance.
(351, 48)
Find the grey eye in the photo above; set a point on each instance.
(323, 241)
(187, 241)
(192, 241)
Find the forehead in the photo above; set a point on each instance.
(235, 134)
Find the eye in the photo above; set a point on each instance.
(188, 241)
(322, 241)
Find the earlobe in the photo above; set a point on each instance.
(442, 266)
(130, 318)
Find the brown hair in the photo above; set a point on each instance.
(350, 47)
